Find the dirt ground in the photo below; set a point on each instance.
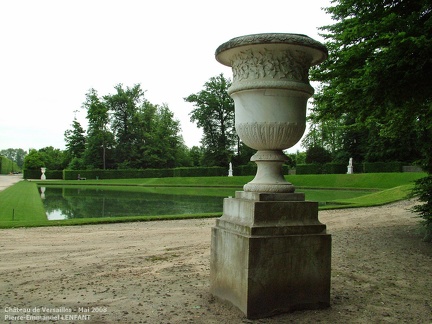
(158, 272)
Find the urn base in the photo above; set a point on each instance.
(270, 255)
(269, 176)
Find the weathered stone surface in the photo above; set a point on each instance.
(270, 257)
(269, 252)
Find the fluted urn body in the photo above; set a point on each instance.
(270, 90)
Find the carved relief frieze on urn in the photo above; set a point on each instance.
(270, 90)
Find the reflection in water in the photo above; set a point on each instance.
(72, 202)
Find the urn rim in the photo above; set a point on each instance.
(272, 38)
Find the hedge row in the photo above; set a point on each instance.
(7, 166)
(36, 174)
(243, 170)
(337, 168)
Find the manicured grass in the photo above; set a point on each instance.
(21, 203)
(373, 199)
(21, 206)
(356, 181)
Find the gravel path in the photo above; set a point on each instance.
(158, 272)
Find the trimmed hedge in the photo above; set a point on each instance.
(200, 172)
(337, 168)
(245, 170)
(378, 167)
(309, 168)
(242, 170)
(36, 174)
(334, 168)
(117, 174)
(7, 166)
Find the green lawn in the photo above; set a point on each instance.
(20, 204)
(355, 181)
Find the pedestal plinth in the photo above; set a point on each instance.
(270, 254)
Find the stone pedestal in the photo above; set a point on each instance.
(270, 254)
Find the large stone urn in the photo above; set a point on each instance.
(269, 252)
(270, 90)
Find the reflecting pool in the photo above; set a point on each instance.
(90, 201)
(68, 202)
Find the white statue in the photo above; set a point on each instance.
(230, 171)
(350, 166)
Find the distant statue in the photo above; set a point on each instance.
(230, 171)
(43, 176)
(350, 166)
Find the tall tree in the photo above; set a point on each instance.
(158, 141)
(124, 105)
(75, 140)
(380, 70)
(214, 113)
(380, 67)
(167, 130)
(100, 139)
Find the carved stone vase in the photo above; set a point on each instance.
(270, 90)
(269, 252)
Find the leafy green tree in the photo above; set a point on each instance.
(75, 140)
(380, 71)
(127, 131)
(55, 159)
(160, 144)
(34, 160)
(318, 154)
(168, 138)
(244, 154)
(214, 113)
(49, 157)
(196, 154)
(327, 134)
(299, 157)
(124, 105)
(100, 140)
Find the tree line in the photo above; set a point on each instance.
(126, 131)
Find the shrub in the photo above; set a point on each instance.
(423, 191)
(308, 168)
(378, 167)
(334, 168)
(317, 154)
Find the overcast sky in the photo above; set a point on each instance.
(53, 52)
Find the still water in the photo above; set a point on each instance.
(80, 202)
